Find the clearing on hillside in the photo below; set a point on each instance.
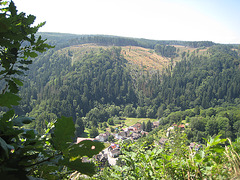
(139, 57)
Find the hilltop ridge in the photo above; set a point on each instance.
(75, 39)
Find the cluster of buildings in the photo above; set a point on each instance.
(132, 132)
(174, 126)
(113, 151)
(109, 155)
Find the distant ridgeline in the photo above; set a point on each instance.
(71, 39)
(98, 82)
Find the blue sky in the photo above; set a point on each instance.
(190, 20)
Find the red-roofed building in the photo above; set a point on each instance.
(131, 128)
(138, 126)
(182, 126)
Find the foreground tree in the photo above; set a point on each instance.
(24, 153)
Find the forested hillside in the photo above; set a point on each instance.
(204, 81)
(98, 81)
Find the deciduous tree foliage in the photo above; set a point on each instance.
(175, 160)
(24, 153)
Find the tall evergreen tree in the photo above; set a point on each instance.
(149, 126)
(79, 127)
(143, 126)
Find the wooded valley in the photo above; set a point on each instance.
(57, 87)
(94, 82)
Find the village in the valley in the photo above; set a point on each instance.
(109, 155)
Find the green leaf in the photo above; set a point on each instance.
(46, 171)
(31, 19)
(41, 24)
(12, 9)
(17, 81)
(3, 26)
(8, 115)
(26, 62)
(5, 124)
(13, 87)
(218, 149)
(30, 54)
(20, 121)
(86, 148)
(78, 165)
(5, 147)
(200, 156)
(3, 3)
(28, 133)
(23, 68)
(9, 99)
(63, 133)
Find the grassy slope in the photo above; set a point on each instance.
(145, 58)
(132, 121)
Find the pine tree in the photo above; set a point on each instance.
(143, 126)
(79, 127)
(149, 126)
